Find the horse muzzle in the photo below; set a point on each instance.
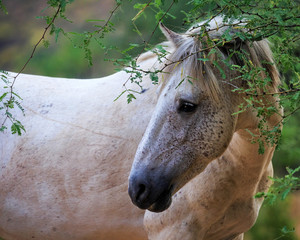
(152, 194)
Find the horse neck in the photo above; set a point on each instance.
(245, 153)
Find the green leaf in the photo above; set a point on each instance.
(57, 32)
(203, 59)
(158, 3)
(212, 51)
(130, 97)
(2, 129)
(16, 128)
(221, 70)
(180, 83)
(3, 96)
(260, 195)
(154, 78)
(161, 49)
(285, 230)
(119, 2)
(120, 95)
(261, 147)
(285, 193)
(3, 8)
(46, 43)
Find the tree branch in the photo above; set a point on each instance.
(11, 93)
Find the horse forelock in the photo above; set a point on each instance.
(185, 60)
(188, 57)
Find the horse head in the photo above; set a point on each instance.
(193, 121)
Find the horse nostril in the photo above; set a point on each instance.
(141, 191)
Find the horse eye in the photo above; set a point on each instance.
(187, 107)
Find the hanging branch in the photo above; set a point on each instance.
(16, 124)
(146, 43)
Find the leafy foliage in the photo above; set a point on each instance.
(273, 223)
(282, 186)
(9, 99)
(3, 8)
(255, 20)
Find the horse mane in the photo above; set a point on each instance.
(191, 49)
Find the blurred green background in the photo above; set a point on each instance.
(21, 29)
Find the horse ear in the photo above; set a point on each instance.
(173, 37)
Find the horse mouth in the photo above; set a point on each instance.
(163, 202)
(153, 197)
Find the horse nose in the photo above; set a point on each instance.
(139, 191)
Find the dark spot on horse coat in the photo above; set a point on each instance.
(47, 105)
(144, 90)
(44, 112)
(204, 205)
(205, 154)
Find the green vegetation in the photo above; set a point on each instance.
(273, 223)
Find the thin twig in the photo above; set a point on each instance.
(26, 63)
(146, 43)
(275, 93)
(108, 20)
(292, 112)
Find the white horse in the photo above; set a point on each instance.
(66, 177)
